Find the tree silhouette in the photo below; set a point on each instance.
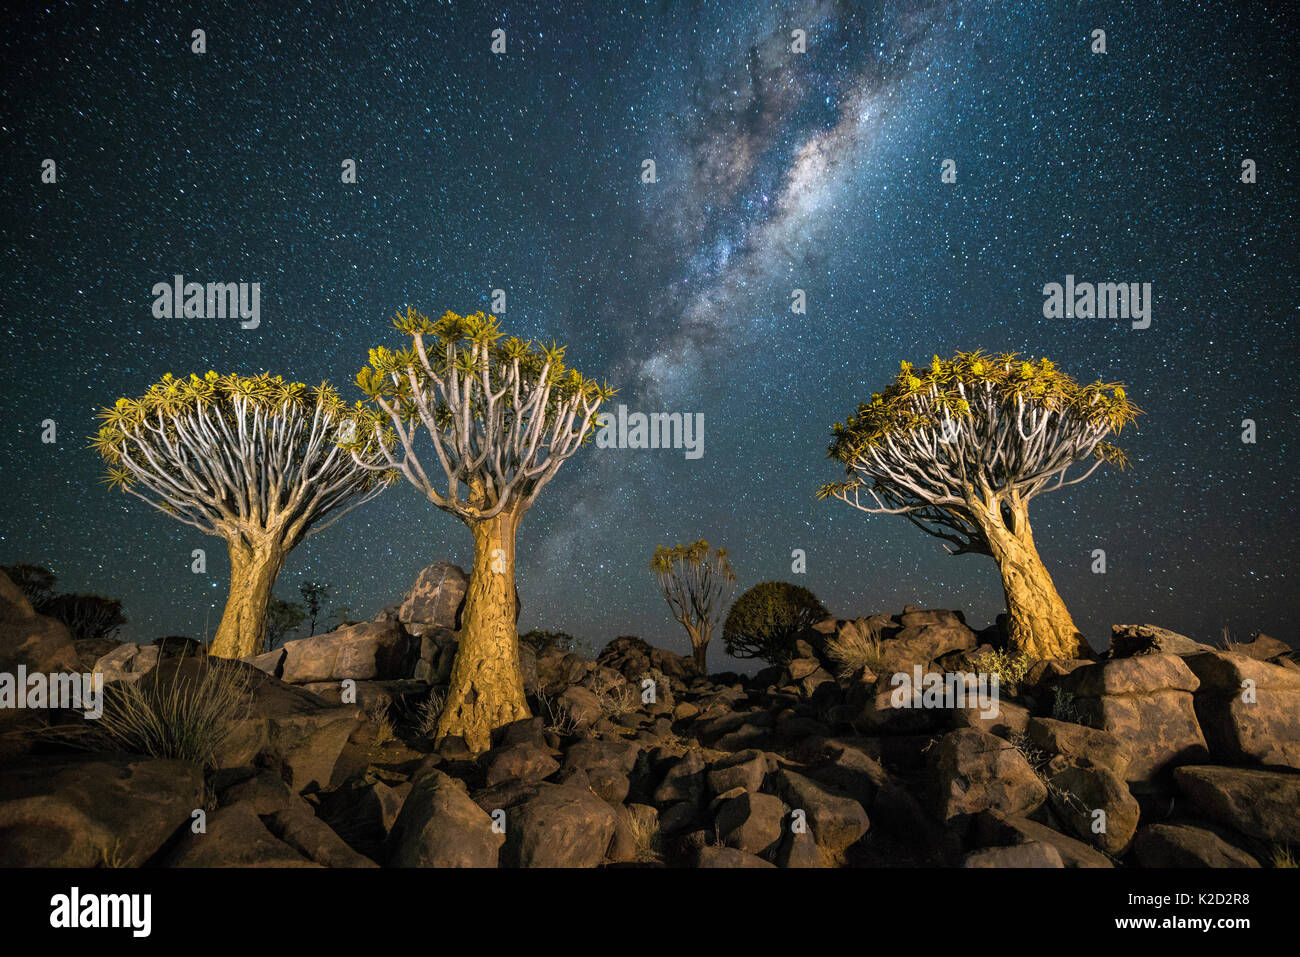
(696, 585)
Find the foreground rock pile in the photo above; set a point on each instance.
(1163, 753)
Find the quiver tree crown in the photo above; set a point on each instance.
(228, 454)
(977, 429)
(502, 413)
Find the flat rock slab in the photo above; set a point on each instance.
(94, 809)
(1258, 803)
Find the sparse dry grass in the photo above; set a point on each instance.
(187, 716)
(853, 653)
(380, 712)
(429, 711)
(557, 716)
(646, 840)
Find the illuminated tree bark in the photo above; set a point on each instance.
(257, 461)
(502, 418)
(962, 447)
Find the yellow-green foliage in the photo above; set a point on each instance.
(457, 346)
(920, 399)
(170, 399)
(695, 553)
(1010, 667)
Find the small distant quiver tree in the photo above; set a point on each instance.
(502, 416)
(961, 447)
(696, 584)
(252, 459)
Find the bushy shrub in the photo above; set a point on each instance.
(88, 617)
(36, 583)
(767, 619)
(1010, 666)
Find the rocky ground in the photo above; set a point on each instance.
(1165, 752)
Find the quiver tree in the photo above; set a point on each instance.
(254, 460)
(696, 584)
(502, 416)
(960, 448)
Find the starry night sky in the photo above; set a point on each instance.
(818, 171)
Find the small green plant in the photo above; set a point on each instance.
(1283, 856)
(1064, 707)
(184, 710)
(1010, 666)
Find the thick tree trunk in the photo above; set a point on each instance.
(1039, 624)
(487, 686)
(700, 649)
(253, 571)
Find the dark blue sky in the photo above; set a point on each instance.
(776, 170)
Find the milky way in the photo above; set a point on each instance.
(776, 171)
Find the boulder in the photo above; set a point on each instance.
(1086, 745)
(297, 826)
(285, 728)
(127, 662)
(1253, 801)
(973, 771)
(90, 810)
(437, 654)
(39, 643)
(1248, 709)
(1093, 802)
(370, 651)
(1011, 719)
(995, 829)
(743, 769)
(924, 636)
(440, 826)
(235, 837)
(435, 598)
(836, 821)
(1129, 640)
(1183, 845)
(1262, 648)
(750, 822)
(526, 762)
(1029, 854)
(559, 827)
(711, 856)
(262, 790)
(1146, 702)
